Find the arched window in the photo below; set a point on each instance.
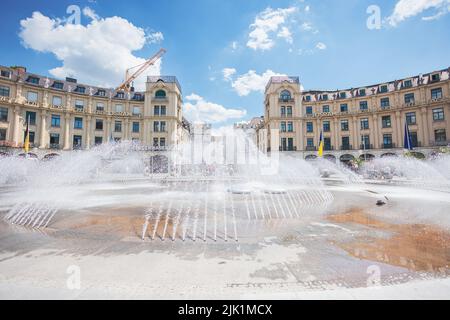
(285, 95)
(160, 94)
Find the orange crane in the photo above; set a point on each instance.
(125, 86)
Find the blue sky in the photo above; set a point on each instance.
(327, 43)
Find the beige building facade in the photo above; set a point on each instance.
(66, 115)
(361, 122)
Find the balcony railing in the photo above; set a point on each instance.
(387, 146)
(440, 143)
(311, 148)
(346, 147)
(366, 147)
(55, 146)
(286, 100)
(328, 148)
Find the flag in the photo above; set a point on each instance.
(407, 144)
(26, 144)
(321, 145)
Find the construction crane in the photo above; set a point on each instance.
(125, 85)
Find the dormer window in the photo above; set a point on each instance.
(120, 95)
(5, 74)
(101, 92)
(308, 98)
(362, 92)
(34, 80)
(435, 77)
(80, 89)
(342, 95)
(325, 97)
(407, 84)
(160, 94)
(285, 95)
(137, 96)
(383, 88)
(58, 85)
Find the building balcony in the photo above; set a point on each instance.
(328, 148)
(366, 147)
(443, 143)
(311, 148)
(160, 99)
(54, 146)
(286, 100)
(346, 147)
(387, 146)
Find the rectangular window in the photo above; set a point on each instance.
(344, 107)
(325, 97)
(4, 91)
(3, 114)
(155, 142)
(387, 140)
(283, 126)
(309, 110)
(98, 140)
(414, 141)
(78, 123)
(309, 127)
(32, 96)
(57, 101)
(407, 84)
(283, 111)
(101, 93)
(283, 146)
(342, 95)
(80, 89)
(135, 127)
(327, 144)
(386, 121)
(308, 98)
(56, 120)
(163, 126)
(117, 126)
(77, 142)
(384, 102)
(310, 142)
(98, 124)
(156, 126)
(119, 107)
(54, 140)
(79, 104)
(326, 109)
(362, 92)
(344, 125)
(411, 118)
(2, 134)
(440, 136)
(365, 124)
(136, 110)
(326, 126)
(33, 80)
(156, 110)
(120, 95)
(31, 117)
(290, 145)
(436, 93)
(383, 89)
(363, 106)
(162, 142)
(289, 111)
(163, 110)
(290, 126)
(100, 106)
(345, 143)
(409, 98)
(58, 85)
(31, 136)
(438, 114)
(365, 141)
(5, 73)
(435, 77)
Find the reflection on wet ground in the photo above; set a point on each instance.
(418, 247)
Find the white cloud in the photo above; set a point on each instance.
(405, 9)
(197, 109)
(321, 46)
(307, 26)
(267, 23)
(228, 73)
(155, 37)
(97, 53)
(251, 81)
(234, 45)
(285, 34)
